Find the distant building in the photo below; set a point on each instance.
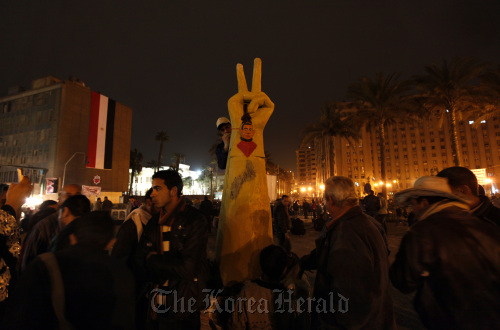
(412, 150)
(307, 166)
(53, 126)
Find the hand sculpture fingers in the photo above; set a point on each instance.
(260, 101)
(242, 82)
(257, 76)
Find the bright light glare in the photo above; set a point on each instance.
(302, 189)
(322, 187)
(381, 183)
(388, 185)
(33, 201)
(488, 181)
(310, 188)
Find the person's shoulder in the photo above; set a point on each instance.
(192, 213)
(128, 224)
(49, 221)
(355, 221)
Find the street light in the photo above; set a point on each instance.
(64, 172)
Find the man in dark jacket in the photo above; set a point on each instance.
(282, 222)
(463, 183)
(352, 288)
(47, 233)
(371, 204)
(173, 253)
(450, 258)
(125, 248)
(207, 208)
(98, 290)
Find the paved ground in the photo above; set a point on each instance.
(403, 308)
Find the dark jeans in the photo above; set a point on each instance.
(381, 219)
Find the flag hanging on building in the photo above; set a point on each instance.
(101, 129)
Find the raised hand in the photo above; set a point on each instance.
(18, 192)
(256, 99)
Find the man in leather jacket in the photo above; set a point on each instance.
(172, 251)
(450, 258)
(352, 287)
(463, 183)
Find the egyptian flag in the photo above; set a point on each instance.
(102, 126)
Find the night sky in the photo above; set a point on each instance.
(173, 62)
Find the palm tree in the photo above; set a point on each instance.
(135, 166)
(450, 90)
(162, 137)
(270, 166)
(177, 157)
(490, 96)
(152, 163)
(187, 182)
(381, 102)
(205, 178)
(332, 123)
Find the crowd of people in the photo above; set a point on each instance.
(65, 267)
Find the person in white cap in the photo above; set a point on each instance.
(450, 257)
(224, 126)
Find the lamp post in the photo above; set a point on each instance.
(64, 173)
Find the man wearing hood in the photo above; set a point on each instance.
(450, 257)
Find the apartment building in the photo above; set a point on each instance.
(49, 129)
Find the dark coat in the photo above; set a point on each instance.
(185, 265)
(281, 218)
(39, 239)
(452, 259)
(351, 260)
(207, 208)
(487, 211)
(99, 293)
(371, 204)
(221, 156)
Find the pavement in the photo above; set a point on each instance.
(406, 317)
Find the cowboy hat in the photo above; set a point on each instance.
(427, 186)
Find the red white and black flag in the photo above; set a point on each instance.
(101, 129)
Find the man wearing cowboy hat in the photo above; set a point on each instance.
(224, 126)
(450, 257)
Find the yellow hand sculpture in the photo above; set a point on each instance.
(245, 218)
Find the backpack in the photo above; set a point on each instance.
(297, 227)
(319, 223)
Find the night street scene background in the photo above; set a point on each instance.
(426, 74)
(174, 62)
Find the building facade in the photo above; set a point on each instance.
(45, 130)
(307, 167)
(413, 150)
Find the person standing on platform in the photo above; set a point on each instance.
(224, 127)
